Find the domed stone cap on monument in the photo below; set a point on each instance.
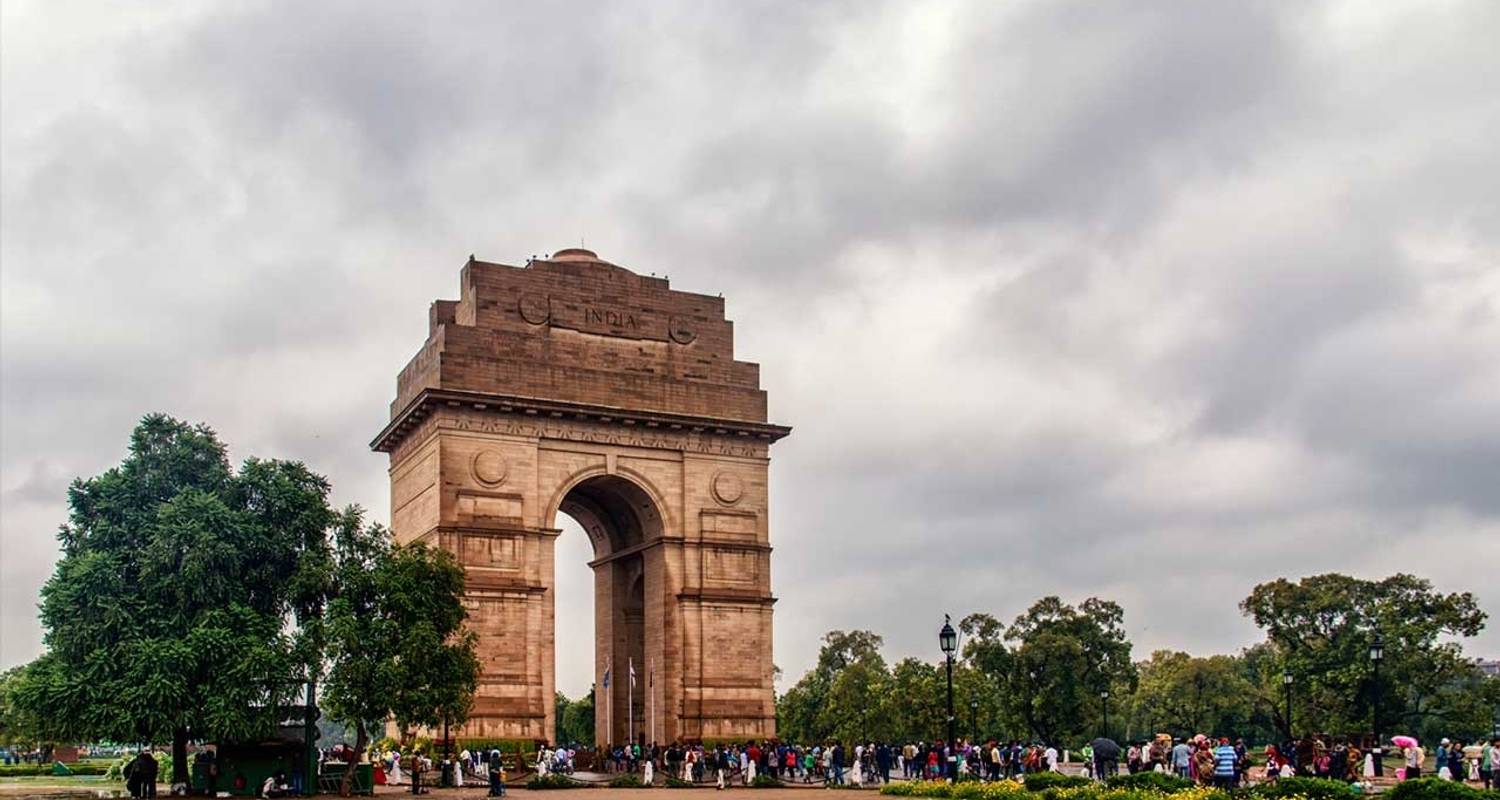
(575, 254)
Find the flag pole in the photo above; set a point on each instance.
(651, 692)
(630, 703)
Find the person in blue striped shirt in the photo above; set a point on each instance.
(1225, 760)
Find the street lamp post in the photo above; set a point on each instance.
(948, 640)
(1377, 654)
(1286, 680)
(1104, 699)
(974, 717)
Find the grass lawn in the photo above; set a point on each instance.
(66, 781)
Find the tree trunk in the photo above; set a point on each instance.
(179, 756)
(360, 740)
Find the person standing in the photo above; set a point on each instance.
(1203, 763)
(1182, 756)
(414, 769)
(496, 771)
(135, 774)
(1414, 758)
(1225, 765)
(1489, 764)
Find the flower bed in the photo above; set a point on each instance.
(1285, 789)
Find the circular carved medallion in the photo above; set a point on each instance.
(535, 309)
(680, 331)
(489, 468)
(728, 488)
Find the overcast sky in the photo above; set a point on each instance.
(1151, 301)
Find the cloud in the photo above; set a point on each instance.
(1061, 298)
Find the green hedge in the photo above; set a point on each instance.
(1151, 781)
(1305, 789)
(628, 780)
(1041, 781)
(23, 770)
(674, 782)
(522, 746)
(1438, 789)
(765, 782)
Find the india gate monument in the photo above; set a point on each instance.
(574, 386)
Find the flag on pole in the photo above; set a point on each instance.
(606, 677)
(632, 673)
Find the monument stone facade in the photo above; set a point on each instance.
(572, 385)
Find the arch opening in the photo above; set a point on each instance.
(618, 517)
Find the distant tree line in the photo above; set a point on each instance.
(1045, 675)
(575, 720)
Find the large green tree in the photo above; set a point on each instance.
(1321, 628)
(575, 719)
(396, 642)
(917, 699)
(174, 611)
(1185, 695)
(1060, 659)
(16, 728)
(843, 688)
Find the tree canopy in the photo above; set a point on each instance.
(1041, 676)
(198, 601)
(397, 647)
(1320, 629)
(172, 612)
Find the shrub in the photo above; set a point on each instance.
(1304, 789)
(1150, 781)
(628, 780)
(918, 789)
(1438, 789)
(555, 781)
(1040, 781)
(674, 782)
(765, 782)
(51, 769)
(505, 746)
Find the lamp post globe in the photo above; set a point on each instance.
(947, 637)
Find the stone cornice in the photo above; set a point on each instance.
(430, 400)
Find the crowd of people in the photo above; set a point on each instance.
(418, 771)
(1201, 759)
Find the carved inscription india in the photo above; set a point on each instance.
(614, 319)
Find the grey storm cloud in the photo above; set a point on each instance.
(1148, 301)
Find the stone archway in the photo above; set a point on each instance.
(572, 385)
(621, 519)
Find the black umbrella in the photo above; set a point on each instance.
(1106, 749)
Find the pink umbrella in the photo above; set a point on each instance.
(1404, 741)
